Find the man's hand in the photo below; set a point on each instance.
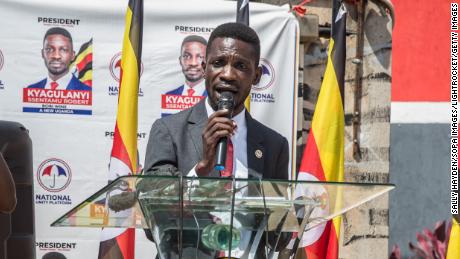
(218, 126)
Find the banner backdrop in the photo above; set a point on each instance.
(72, 126)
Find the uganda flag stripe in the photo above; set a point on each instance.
(87, 78)
(242, 12)
(135, 29)
(339, 35)
(129, 81)
(242, 16)
(453, 249)
(119, 243)
(85, 50)
(323, 157)
(83, 63)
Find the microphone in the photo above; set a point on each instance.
(122, 201)
(225, 102)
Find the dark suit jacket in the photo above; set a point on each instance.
(180, 89)
(74, 84)
(176, 140)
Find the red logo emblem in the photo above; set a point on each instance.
(115, 66)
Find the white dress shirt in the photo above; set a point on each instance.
(63, 82)
(198, 88)
(239, 140)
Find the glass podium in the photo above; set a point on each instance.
(219, 217)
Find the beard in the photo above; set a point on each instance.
(192, 77)
(57, 70)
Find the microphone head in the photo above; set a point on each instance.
(226, 101)
(122, 201)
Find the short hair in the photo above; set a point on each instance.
(237, 31)
(53, 255)
(60, 31)
(193, 38)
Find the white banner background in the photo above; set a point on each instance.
(83, 142)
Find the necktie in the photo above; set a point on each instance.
(54, 85)
(190, 91)
(228, 171)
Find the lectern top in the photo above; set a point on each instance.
(129, 201)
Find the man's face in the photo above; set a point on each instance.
(231, 66)
(57, 53)
(192, 55)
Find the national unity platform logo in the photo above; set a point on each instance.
(54, 175)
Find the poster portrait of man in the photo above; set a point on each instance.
(58, 53)
(191, 59)
(192, 55)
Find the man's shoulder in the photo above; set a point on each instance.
(176, 119)
(177, 91)
(264, 130)
(76, 84)
(40, 84)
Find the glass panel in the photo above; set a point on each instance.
(212, 217)
(121, 210)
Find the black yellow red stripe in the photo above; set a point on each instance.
(324, 154)
(124, 146)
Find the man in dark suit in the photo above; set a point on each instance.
(187, 140)
(58, 53)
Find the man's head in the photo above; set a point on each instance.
(57, 52)
(53, 255)
(232, 63)
(192, 54)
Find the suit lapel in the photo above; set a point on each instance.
(179, 90)
(255, 149)
(196, 122)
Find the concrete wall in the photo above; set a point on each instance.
(366, 228)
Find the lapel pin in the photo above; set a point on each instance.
(258, 153)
